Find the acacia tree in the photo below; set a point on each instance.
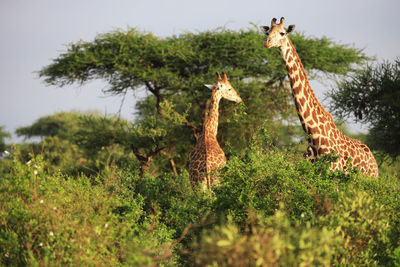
(174, 69)
(372, 96)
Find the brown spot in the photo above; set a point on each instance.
(297, 89)
(314, 116)
(287, 52)
(302, 101)
(290, 59)
(307, 112)
(324, 141)
(313, 130)
(323, 151)
(294, 67)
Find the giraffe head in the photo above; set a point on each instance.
(276, 34)
(224, 89)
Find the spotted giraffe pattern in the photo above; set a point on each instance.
(207, 155)
(318, 124)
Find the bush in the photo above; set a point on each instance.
(55, 220)
(271, 208)
(363, 226)
(271, 241)
(264, 178)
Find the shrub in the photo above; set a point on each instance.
(271, 241)
(271, 208)
(263, 178)
(55, 220)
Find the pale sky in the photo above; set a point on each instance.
(36, 31)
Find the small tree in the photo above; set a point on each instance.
(373, 96)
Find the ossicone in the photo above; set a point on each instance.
(225, 78)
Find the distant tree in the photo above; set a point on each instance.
(3, 135)
(61, 124)
(173, 71)
(372, 96)
(73, 139)
(56, 145)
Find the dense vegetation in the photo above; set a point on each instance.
(104, 191)
(271, 209)
(173, 71)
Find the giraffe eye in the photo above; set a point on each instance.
(282, 33)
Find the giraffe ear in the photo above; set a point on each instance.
(210, 86)
(264, 29)
(290, 29)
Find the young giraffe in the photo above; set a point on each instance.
(318, 124)
(207, 155)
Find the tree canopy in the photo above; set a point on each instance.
(372, 96)
(173, 70)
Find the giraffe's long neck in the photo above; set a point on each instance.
(312, 115)
(211, 123)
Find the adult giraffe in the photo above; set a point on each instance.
(323, 135)
(207, 155)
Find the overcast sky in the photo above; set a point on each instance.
(34, 32)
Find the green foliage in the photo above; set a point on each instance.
(271, 208)
(372, 96)
(363, 226)
(61, 124)
(91, 196)
(172, 195)
(64, 142)
(174, 69)
(264, 178)
(55, 220)
(272, 241)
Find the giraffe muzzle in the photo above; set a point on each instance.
(267, 44)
